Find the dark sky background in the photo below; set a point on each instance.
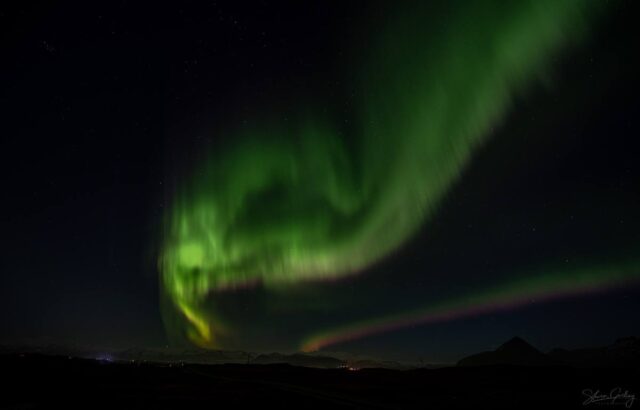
(103, 104)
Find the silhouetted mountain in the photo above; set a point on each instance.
(514, 352)
(624, 352)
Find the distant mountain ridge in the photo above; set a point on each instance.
(205, 356)
(514, 352)
(624, 352)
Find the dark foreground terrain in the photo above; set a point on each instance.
(38, 381)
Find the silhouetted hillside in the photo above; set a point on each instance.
(514, 352)
(625, 352)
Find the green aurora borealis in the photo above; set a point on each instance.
(310, 200)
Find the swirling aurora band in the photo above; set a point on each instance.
(300, 202)
(536, 287)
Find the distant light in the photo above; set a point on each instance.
(105, 358)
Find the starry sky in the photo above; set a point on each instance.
(417, 181)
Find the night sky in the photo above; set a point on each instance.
(411, 182)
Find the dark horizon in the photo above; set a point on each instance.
(621, 353)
